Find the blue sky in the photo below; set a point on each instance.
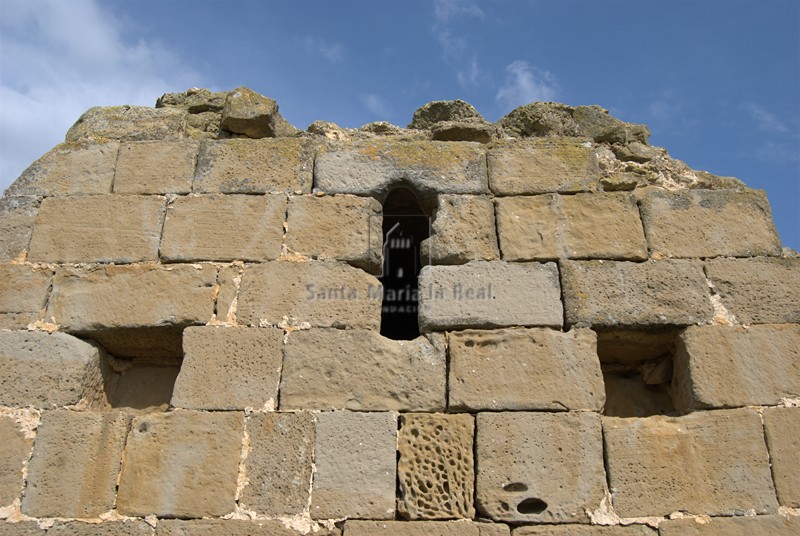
(718, 82)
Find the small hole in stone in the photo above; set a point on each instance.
(532, 506)
(515, 487)
(504, 506)
(143, 428)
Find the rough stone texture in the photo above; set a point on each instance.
(362, 370)
(144, 387)
(525, 369)
(17, 216)
(724, 467)
(15, 448)
(23, 294)
(194, 100)
(254, 166)
(75, 463)
(355, 457)
(324, 294)
(156, 167)
(463, 131)
(582, 226)
(256, 116)
(22, 528)
(231, 527)
(229, 368)
(732, 526)
(666, 292)
(463, 230)
(128, 123)
(128, 527)
(434, 112)
(341, 227)
(782, 427)
(542, 166)
(181, 464)
(584, 530)
(112, 228)
(759, 290)
(224, 228)
(417, 528)
(539, 467)
(722, 366)
(596, 123)
(435, 466)
(279, 463)
(484, 294)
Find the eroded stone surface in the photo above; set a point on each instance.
(15, 449)
(782, 427)
(256, 116)
(23, 528)
(128, 123)
(584, 530)
(128, 527)
(414, 528)
(156, 167)
(732, 526)
(23, 294)
(463, 230)
(231, 527)
(17, 216)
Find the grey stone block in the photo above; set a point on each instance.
(584, 530)
(128, 123)
(782, 427)
(463, 230)
(732, 526)
(230, 527)
(128, 527)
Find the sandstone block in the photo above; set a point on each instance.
(464, 131)
(485, 294)
(722, 366)
(181, 464)
(584, 530)
(525, 369)
(128, 123)
(415, 528)
(782, 426)
(355, 457)
(22, 528)
(712, 463)
(229, 368)
(111, 228)
(435, 466)
(230, 527)
(194, 100)
(759, 290)
(434, 112)
(279, 463)
(539, 467)
(224, 228)
(75, 463)
(254, 166)
(156, 167)
(463, 230)
(17, 216)
(15, 448)
(23, 294)
(731, 526)
(581, 226)
(324, 294)
(709, 223)
(128, 527)
(666, 292)
(361, 370)
(256, 116)
(541, 166)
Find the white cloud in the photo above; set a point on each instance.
(765, 120)
(524, 84)
(446, 10)
(456, 48)
(376, 105)
(332, 52)
(470, 74)
(666, 107)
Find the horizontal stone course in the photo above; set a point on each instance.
(584, 530)
(782, 428)
(156, 167)
(731, 526)
(127, 527)
(231, 527)
(23, 294)
(423, 528)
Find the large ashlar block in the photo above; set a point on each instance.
(231, 527)
(22, 528)
(362, 370)
(227, 368)
(725, 367)
(23, 294)
(525, 369)
(581, 226)
(585, 530)
(543, 166)
(463, 230)
(485, 294)
(782, 426)
(322, 293)
(539, 467)
(17, 216)
(430, 167)
(224, 228)
(355, 458)
(15, 448)
(712, 463)
(435, 466)
(611, 293)
(279, 463)
(129, 123)
(107, 228)
(709, 223)
(759, 290)
(732, 526)
(156, 167)
(181, 464)
(423, 528)
(75, 463)
(268, 165)
(128, 527)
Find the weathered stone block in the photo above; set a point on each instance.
(21, 528)
(584, 530)
(463, 230)
(231, 527)
(256, 116)
(484, 294)
(709, 223)
(723, 464)
(75, 463)
(279, 463)
(581, 226)
(539, 467)
(224, 228)
(128, 123)
(362, 370)
(435, 466)
(128, 527)
(542, 166)
(666, 292)
(181, 464)
(324, 294)
(17, 216)
(722, 366)
(731, 526)
(519, 369)
(254, 166)
(782, 427)
(355, 459)
(15, 448)
(416, 528)
(110, 228)
(23, 294)
(228, 368)
(759, 290)
(228, 280)
(156, 167)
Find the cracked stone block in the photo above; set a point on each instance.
(525, 369)
(156, 167)
(421, 528)
(731, 526)
(539, 467)
(232, 527)
(435, 466)
(722, 464)
(128, 527)
(15, 448)
(585, 530)
(17, 216)
(23, 294)
(782, 427)
(463, 230)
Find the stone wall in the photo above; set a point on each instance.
(190, 331)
